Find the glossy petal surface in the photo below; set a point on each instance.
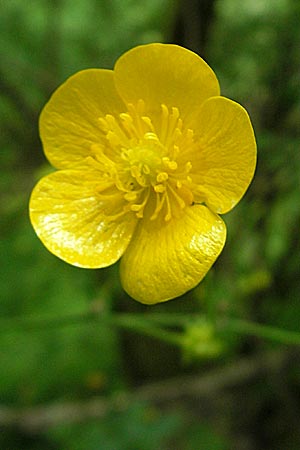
(225, 160)
(165, 74)
(69, 123)
(163, 262)
(73, 213)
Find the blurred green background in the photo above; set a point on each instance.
(76, 383)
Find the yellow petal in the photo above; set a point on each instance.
(224, 164)
(163, 262)
(80, 219)
(69, 123)
(165, 74)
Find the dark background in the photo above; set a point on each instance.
(85, 385)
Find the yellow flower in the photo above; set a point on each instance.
(148, 155)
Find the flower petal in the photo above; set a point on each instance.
(73, 213)
(224, 165)
(163, 262)
(165, 74)
(69, 122)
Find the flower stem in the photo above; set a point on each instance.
(152, 324)
(274, 334)
(136, 324)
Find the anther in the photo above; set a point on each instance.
(126, 117)
(177, 134)
(190, 134)
(130, 196)
(111, 121)
(165, 111)
(103, 124)
(172, 165)
(162, 176)
(159, 188)
(113, 138)
(175, 112)
(136, 173)
(188, 166)
(136, 207)
(175, 151)
(148, 122)
(146, 169)
(151, 136)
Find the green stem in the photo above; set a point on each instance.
(147, 328)
(166, 319)
(130, 322)
(152, 324)
(46, 322)
(262, 331)
(32, 323)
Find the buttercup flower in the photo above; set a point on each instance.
(149, 155)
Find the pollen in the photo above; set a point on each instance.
(150, 167)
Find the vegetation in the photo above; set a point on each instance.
(83, 366)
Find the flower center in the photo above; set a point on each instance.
(146, 160)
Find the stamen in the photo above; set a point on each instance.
(187, 142)
(142, 160)
(111, 127)
(159, 204)
(159, 188)
(146, 169)
(102, 191)
(164, 123)
(152, 138)
(116, 216)
(148, 122)
(113, 139)
(175, 151)
(177, 197)
(128, 124)
(162, 176)
(120, 184)
(172, 165)
(100, 160)
(139, 208)
(168, 215)
(173, 121)
(136, 113)
(136, 173)
(188, 166)
(103, 125)
(135, 207)
(190, 134)
(177, 134)
(131, 196)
